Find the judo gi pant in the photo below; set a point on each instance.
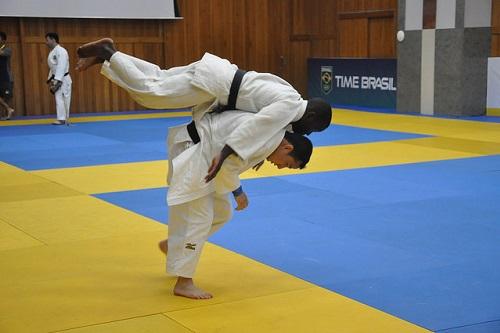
(63, 99)
(153, 87)
(189, 226)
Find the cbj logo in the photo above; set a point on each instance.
(326, 79)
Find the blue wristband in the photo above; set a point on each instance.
(238, 191)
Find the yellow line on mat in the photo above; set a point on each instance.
(89, 119)
(143, 175)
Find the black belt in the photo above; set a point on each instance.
(233, 93)
(193, 133)
(231, 104)
(53, 76)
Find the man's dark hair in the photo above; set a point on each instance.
(302, 148)
(3, 35)
(53, 35)
(322, 109)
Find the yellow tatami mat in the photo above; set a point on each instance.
(147, 324)
(281, 313)
(111, 177)
(494, 112)
(54, 220)
(80, 264)
(74, 263)
(96, 281)
(118, 116)
(453, 128)
(135, 176)
(13, 238)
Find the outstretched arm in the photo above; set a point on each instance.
(253, 134)
(217, 162)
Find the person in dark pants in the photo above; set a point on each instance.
(6, 81)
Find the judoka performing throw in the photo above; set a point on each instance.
(206, 86)
(196, 208)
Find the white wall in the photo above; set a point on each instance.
(139, 9)
(477, 13)
(413, 14)
(493, 99)
(445, 14)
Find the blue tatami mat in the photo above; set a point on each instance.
(420, 241)
(343, 135)
(38, 147)
(151, 203)
(488, 327)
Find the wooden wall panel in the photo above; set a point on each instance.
(296, 67)
(367, 28)
(366, 5)
(250, 33)
(495, 29)
(429, 14)
(381, 43)
(91, 93)
(305, 19)
(353, 37)
(274, 36)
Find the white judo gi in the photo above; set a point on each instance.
(58, 62)
(198, 209)
(208, 81)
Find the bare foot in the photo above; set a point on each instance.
(186, 288)
(102, 48)
(84, 63)
(163, 245)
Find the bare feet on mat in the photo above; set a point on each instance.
(84, 63)
(163, 245)
(186, 288)
(102, 48)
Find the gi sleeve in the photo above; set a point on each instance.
(228, 178)
(62, 60)
(253, 134)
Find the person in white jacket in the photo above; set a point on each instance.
(196, 208)
(276, 103)
(59, 80)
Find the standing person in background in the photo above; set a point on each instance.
(59, 80)
(6, 79)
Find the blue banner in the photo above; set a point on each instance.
(362, 83)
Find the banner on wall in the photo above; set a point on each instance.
(110, 9)
(493, 99)
(364, 83)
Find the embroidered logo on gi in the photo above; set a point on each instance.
(326, 79)
(191, 246)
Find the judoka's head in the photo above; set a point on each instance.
(51, 39)
(317, 117)
(293, 152)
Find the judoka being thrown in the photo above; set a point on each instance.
(207, 85)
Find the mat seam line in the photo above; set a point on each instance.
(2, 218)
(467, 325)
